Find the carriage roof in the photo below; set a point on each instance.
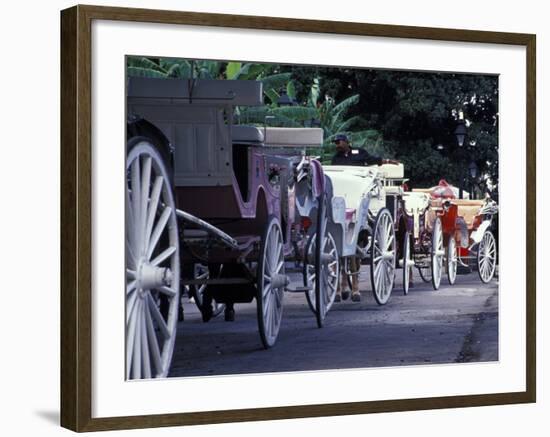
(207, 91)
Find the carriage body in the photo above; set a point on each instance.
(431, 222)
(234, 177)
(354, 193)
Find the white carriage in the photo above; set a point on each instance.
(362, 208)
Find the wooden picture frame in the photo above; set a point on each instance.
(76, 217)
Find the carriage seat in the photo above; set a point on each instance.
(416, 201)
(468, 210)
(247, 135)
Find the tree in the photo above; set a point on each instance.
(417, 113)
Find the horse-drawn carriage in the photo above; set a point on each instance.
(237, 201)
(447, 231)
(476, 244)
(361, 223)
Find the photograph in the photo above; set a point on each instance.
(302, 218)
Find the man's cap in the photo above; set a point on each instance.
(341, 137)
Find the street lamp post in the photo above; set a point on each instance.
(461, 133)
(472, 169)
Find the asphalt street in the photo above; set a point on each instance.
(455, 324)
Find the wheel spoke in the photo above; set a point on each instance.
(389, 234)
(145, 349)
(482, 261)
(265, 295)
(161, 224)
(484, 272)
(164, 255)
(136, 357)
(158, 317)
(129, 214)
(130, 304)
(167, 291)
(130, 256)
(153, 342)
(130, 341)
(145, 182)
(278, 298)
(152, 210)
(378, 276)
(267, 313)
(271, 250)
(390, 241)
(385, 279)
(388, 271)
(131, 286)
(377, 267)
(136, 198)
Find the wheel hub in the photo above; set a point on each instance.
(149, 276)
(388, 255)
(327, 258)
(279, 280)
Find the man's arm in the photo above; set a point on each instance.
(369, 159)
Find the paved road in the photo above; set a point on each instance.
(453, 324)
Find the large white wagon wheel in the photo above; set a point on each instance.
(152, 264)
(486, 257)
(321, 261)
(436, 254)
(208, 308)
(383, 255)
(452, 260)
(271, 283)
(330, 270)
(407, 262)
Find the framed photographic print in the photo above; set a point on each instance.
(309, 218)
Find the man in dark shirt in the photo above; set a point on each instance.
(347, 155)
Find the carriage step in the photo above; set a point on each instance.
(299, 289)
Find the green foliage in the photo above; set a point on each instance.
(145, 72)
(233, 70)
(291, 89)
(425, 166)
